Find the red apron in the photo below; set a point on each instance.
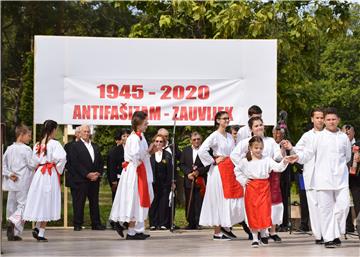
(143, 187)
(275, 189)
(231, 187)
(258, 204)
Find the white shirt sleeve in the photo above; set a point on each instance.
(204, 149)
(277, 166)
(240, 173)
(133, 150)
(5, 167)
(59, 157)
(239, 152)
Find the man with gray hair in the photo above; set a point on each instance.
(87, 168)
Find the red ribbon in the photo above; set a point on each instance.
(231, 187)
(143, 186)
(200, 182)
(138, 133)
(48, 167)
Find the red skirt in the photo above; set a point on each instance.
(231, 187)
(275, 188)
(258, 204)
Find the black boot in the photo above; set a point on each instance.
(247, 230)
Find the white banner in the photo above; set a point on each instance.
(103, 81)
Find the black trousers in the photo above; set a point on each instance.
(79, 194)
(195, 206)
(304, 209)
(285, 192)
(355, 192)
(160, 212)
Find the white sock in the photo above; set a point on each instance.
(41, 232)
(263, 233)
(218, 234)
(255, 236)
(131, 231)
(37, 225)
(227, 229)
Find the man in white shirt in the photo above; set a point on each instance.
(87, 168)
(317, 119)
(245, 131)
(331, 151)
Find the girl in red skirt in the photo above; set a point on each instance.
(253, 172)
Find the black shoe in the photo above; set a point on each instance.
(190, 227)
(144, 235)
(35, 233)
(119, 229)
(10, 231)
(250, 237)
(98, 227)
(229, 234)
(255, 244)
(16, 238)
(304, 228)
(319, 241)
(135, 237)
(276, 238)
(152, 228)
(221, 238)
(41, 239)
(163, 228)
(112, 224)
(264, 241)
(337, 242)
(77, 228)
(283, 229)
(330, 244)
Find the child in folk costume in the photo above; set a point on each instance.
(272, 150)
(17, 174)
(134, 193)
(44, 199)
(253, 171)
(223, 201)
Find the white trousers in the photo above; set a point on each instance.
(139, 227)
(333, 208)
(314, 212)
(15, 208)
(277, 212)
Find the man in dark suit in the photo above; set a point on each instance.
(87, 168)
(194, 174)
(68, 167)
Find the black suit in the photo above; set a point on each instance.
(186, 165)
(160, 212)
(82, 187)
(68, 166)
(114, 165)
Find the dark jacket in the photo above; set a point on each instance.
(114, 163)
(186, 164)
(81, 162)
(162, 171)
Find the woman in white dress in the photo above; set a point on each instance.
(44, 198)
(223, 201)
(272, 150)
(134, 193)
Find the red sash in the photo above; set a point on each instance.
(48, 167)
(258, 204)
(200, 182)
(275, 188)
(143, 186)
(231, 187)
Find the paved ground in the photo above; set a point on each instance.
(164, 243)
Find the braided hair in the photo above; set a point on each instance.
(48, 128)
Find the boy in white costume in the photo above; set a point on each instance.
(17, 174)
(317, 118)
(332, 152)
